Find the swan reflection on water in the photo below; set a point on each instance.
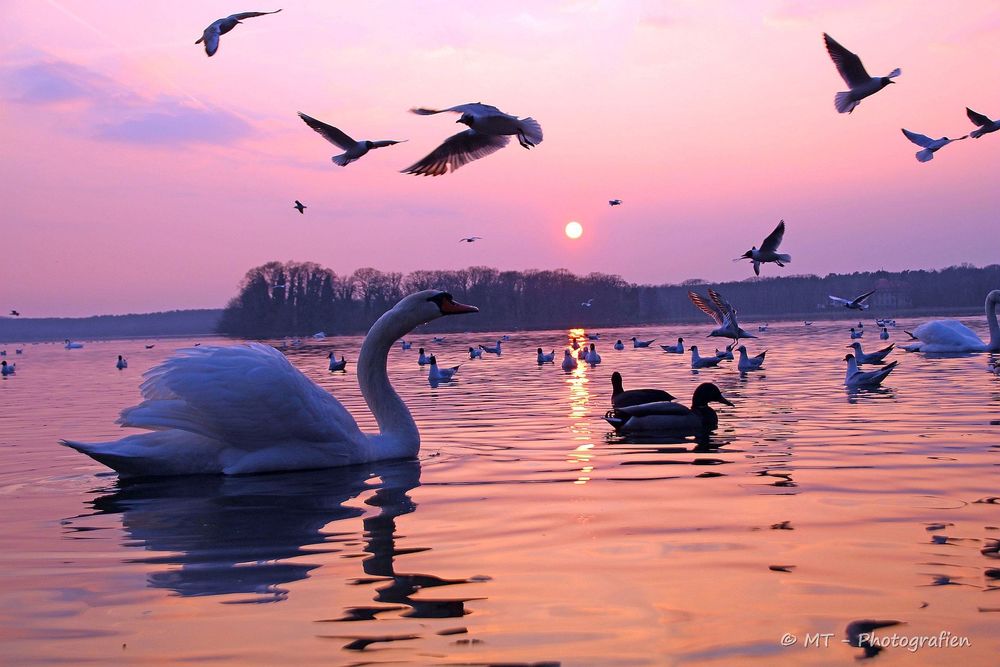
(249, 535)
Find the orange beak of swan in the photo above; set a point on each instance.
(450, 307)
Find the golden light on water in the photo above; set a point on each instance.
(574, 229)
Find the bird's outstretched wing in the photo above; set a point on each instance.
(848, 64)
(706, 307)
(386, 142)
(457, 150)
(250, 15)
(211, 39)
(918, 139)
(977, 118)
(840, 300)
(773, 240)
(474, 108)
(328, 132)
(861, 299)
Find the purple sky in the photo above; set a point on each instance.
(140, 175)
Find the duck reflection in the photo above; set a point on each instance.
(247, 535)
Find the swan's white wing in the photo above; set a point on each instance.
(328, 132)
(918, 139)
(773, 240)
(247, 395)
(457, 150)
(977, 118)
(474, 108)
(848, 64)
(706, 307)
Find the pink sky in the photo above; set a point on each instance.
(138, 175)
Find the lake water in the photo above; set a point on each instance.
(527, 532)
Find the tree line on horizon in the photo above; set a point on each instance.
(301, 298)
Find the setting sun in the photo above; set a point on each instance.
(574, 230)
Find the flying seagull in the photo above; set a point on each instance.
(985, 124)
(470, 239)
(300, 206)
(722, 312)
(858, 303)
(353, 149)
(854, 74)
(615, 202)
(489, 129)
(222, 26)
(14, 313)
(929, 145)
(588, 303)
(768, 250)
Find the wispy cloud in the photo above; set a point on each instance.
(112, 111)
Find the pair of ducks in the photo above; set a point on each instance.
(653, 410)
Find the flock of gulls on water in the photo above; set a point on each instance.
(247, 409)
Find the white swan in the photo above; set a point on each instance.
(246, 409)
(953, 336)
(569, 362)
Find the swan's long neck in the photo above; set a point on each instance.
(393, 417)
(992, 300)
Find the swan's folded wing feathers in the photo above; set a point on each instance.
(244, 394)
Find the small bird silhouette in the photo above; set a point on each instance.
(353, 150)
(588, 303)
(222, 26)
(615, 202)
(300, 206)
(14, 313)
(985, 124)
(470, 239)
(768, 250)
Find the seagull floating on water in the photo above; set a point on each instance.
(489, 129)
(619, 345)
(122, 363)
(854, 74)
(337, 365)
(674, 349)
(875, 357)
(857, 303)
(353, 150)
(768, 250)
(985, 124)
(615, 202)
(748, 363)
(543, 358)
(722, 312)
(856, 334)
(641, 343)
(698, 361)
(440, 374)
(492, 350)
(6, 370)
(475, 354)
(569, 362)
(422, 359)
(299, 206)
(929, 145)
(857, 378)
(221, 26)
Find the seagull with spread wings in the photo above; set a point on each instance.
(470, 239)
(854, 74)
(353, 150)
(930, 146)
(221, 26)
(768, 250)
(857, 303)
(300, 207)
(489, 131)
(722, 312)
(985, 124)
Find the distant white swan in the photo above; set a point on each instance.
(953, 336)
(246, 409)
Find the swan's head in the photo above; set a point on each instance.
(708, 392)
